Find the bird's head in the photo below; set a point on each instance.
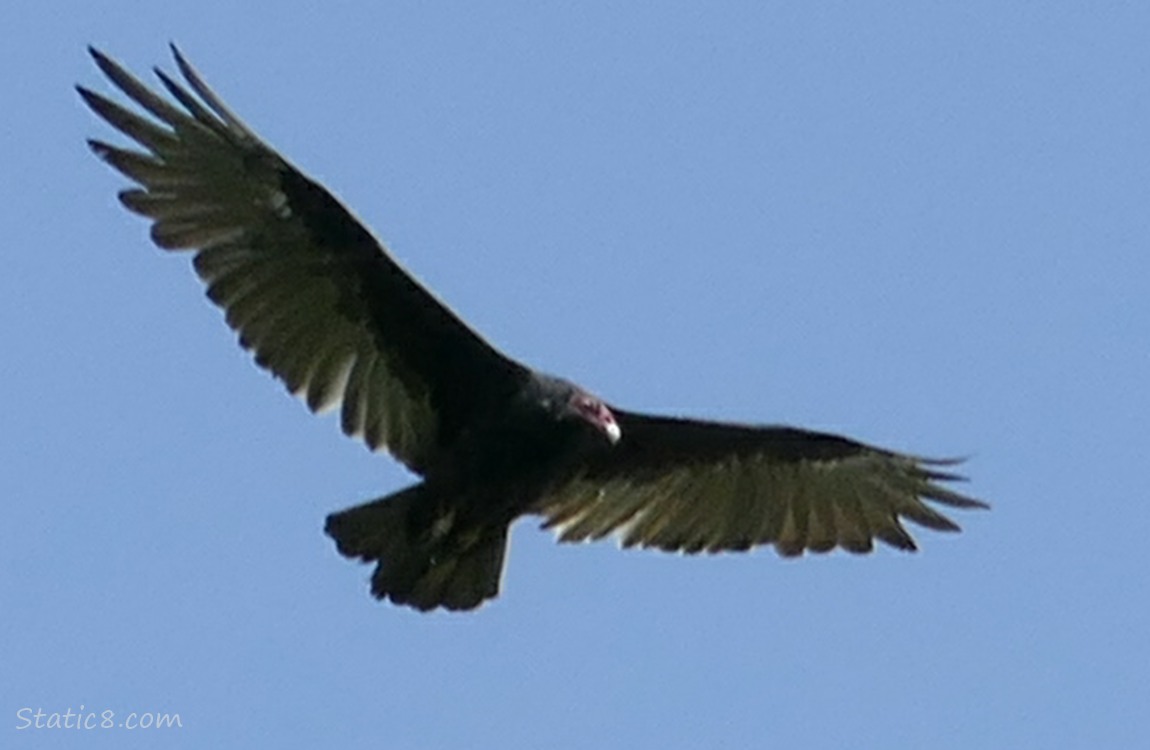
(582, 405)
(567, 402)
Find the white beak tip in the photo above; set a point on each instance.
(613, 432)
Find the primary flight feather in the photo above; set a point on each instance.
(321, 304)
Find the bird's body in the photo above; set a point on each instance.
(323, 306)
(456, 521)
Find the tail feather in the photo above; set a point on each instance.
(461, 581)
(420, 563)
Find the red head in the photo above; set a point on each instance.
(596, 413)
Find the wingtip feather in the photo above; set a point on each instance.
(98, 147)
(100, 58)
(176, 54)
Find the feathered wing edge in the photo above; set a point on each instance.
(309, 290)
(693, 486)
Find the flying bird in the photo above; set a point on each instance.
(321, 304)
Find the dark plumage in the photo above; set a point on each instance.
(322, 305)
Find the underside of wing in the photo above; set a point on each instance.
(308, 289)
(691, 486)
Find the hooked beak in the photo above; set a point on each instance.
(611, 429)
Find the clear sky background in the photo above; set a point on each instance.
(924, 227)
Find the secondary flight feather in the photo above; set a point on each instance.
(322, 305)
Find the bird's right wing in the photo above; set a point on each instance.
(308, 289)
(692, 486)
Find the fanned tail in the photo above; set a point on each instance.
(422, 561)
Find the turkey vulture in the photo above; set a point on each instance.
(323, 306)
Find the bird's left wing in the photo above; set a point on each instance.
(692, 486)
(317, 299)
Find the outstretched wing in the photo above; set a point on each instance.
(309, 290)
(694, 486)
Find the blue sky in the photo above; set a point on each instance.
(923, 227)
